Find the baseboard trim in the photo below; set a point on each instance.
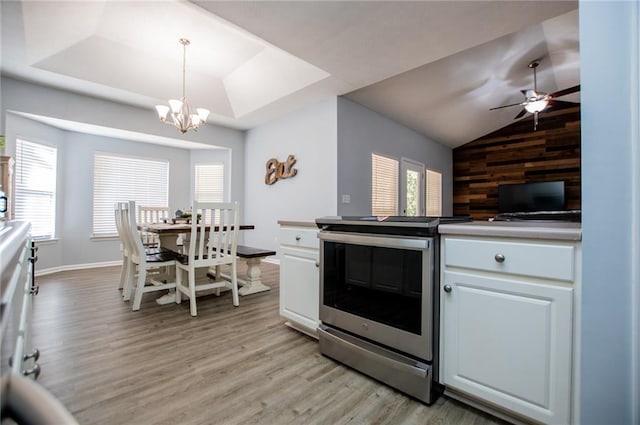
(70, 267)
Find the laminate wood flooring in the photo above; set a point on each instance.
(228, 365)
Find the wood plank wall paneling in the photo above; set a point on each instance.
(517, 154)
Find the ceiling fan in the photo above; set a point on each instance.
(536, 101)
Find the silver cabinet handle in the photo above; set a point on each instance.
(35, 355)
(499, 258)
(447, 288)
(317, 264)
(298, 238)
(35, 371)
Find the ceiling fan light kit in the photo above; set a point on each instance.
(183, 116)
(536, 101)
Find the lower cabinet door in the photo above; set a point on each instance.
(299, 287)
(509, 342)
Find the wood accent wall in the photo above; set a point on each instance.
(517, 154)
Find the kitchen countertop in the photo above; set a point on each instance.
(555, 230)
(298, 222)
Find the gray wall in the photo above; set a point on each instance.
(362, 131)
(20, 96)
(610, 97)
(73, 245)
(310, 135)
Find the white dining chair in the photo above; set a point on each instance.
(149, 214)
(141, 261)
(211, 249)
(124, 246)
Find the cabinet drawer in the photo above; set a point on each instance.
(304, 238)
(545, 260)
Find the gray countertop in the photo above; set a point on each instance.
(298, 222)
(554, 230)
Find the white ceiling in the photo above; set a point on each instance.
(436, 66)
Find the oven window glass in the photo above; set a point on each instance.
(379, 284)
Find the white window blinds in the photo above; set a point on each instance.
(434, 193)
(384, 185)
(120, 178)
(35, 199)
(209, 185)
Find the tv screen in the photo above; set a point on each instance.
(529, 197)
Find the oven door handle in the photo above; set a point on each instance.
(386, 241)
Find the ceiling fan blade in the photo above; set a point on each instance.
(506, 106)
(566, 91)
(521, 114)
(562, 103)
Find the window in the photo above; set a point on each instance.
(384, 185)
(121, 178)
(209, 182)
(35, 199)
(434, 193)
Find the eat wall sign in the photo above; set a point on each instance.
(277, 170)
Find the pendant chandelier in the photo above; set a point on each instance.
(182, 116)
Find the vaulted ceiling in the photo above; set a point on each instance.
(435, 66)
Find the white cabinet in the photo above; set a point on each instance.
(507, 323)
(16, 269)
(299, 277)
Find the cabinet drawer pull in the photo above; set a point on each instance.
(447, 288)
(35, 355)
(298, 238)
(35, 371)
(317, 264)
(499, 258)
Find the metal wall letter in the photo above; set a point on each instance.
(280, 170)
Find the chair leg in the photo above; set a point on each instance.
(178, 285)
(137, 300)
(128, 282)
(123, 272)
(192, 292)
(234, 284)
(218, 277)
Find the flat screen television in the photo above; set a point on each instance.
(530, 197)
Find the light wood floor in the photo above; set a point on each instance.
(229, 365)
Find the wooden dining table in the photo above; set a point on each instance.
(169, 232)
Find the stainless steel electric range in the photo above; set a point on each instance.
(378, 298)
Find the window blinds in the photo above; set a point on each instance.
(384, 185)
(209, 185)
(120, 178)
(35, 185)
(434, 193)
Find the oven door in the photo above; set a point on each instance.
(379, 287)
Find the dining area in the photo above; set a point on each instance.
(181, 259)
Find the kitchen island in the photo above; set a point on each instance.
(509, 298)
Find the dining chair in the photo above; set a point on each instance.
(149, 214)
(210, 249)
(124, 246)
(141, 260)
